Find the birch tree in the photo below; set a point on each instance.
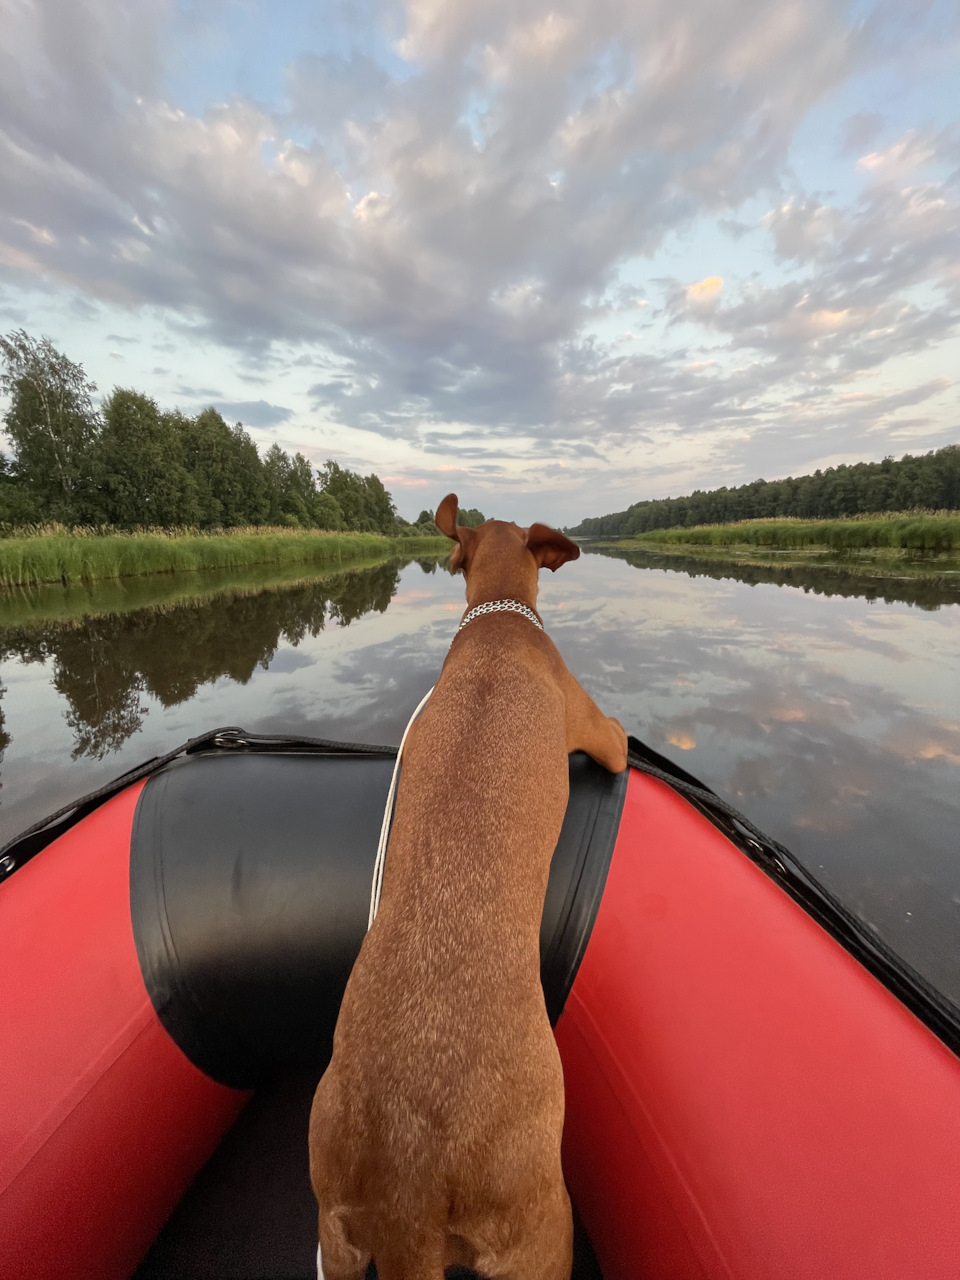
(51, 422)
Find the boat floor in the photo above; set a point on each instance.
(250, 1213)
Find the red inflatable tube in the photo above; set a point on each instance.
(103, 1121)
(744, 1099)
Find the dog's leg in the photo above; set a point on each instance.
(546, 1250)
(589, 730)
(337, 1258)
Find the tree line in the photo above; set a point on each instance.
(929, 482)
(129, 464)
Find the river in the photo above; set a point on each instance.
(825, 707)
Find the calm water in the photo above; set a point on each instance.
(832, 719)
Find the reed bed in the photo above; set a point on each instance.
(75, 604)
(928, 534)
(32, 557)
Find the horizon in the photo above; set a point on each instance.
(559, 260)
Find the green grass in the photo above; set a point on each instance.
(52, 603)
(899, 534)
(55, 554)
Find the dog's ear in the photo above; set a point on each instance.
(446, 522)
(550, 548)
(446, 517)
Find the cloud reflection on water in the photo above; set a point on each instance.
(823, 719)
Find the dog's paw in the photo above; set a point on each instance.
(607, 744)
(618, 760)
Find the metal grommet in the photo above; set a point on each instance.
(7, 864)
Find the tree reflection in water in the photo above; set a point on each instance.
(925, 590)
(104, 665)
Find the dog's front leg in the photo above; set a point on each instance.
(589, 730)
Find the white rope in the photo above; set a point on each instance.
(388, 818)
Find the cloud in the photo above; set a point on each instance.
(327, 90)
(704, 292)
(590, 94)
(253, 413)
(909, 153)
(441, 230)
(866, 284)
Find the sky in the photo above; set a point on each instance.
(555, 257)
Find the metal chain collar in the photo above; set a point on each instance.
(500, 606)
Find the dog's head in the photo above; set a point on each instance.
(492, 544)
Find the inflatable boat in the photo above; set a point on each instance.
(756, 1086)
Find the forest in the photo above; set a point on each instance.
(928, 482)
(128, 464)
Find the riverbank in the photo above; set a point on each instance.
(870, 562)
(928, 584)
(51, 604)
(897, 535)
(88, 556)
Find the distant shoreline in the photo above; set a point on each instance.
(883, 541)
(65, 557)
(929, 584)
(869, 562)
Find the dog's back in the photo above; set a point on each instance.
(435, 1133)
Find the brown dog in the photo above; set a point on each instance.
(435, 1131)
